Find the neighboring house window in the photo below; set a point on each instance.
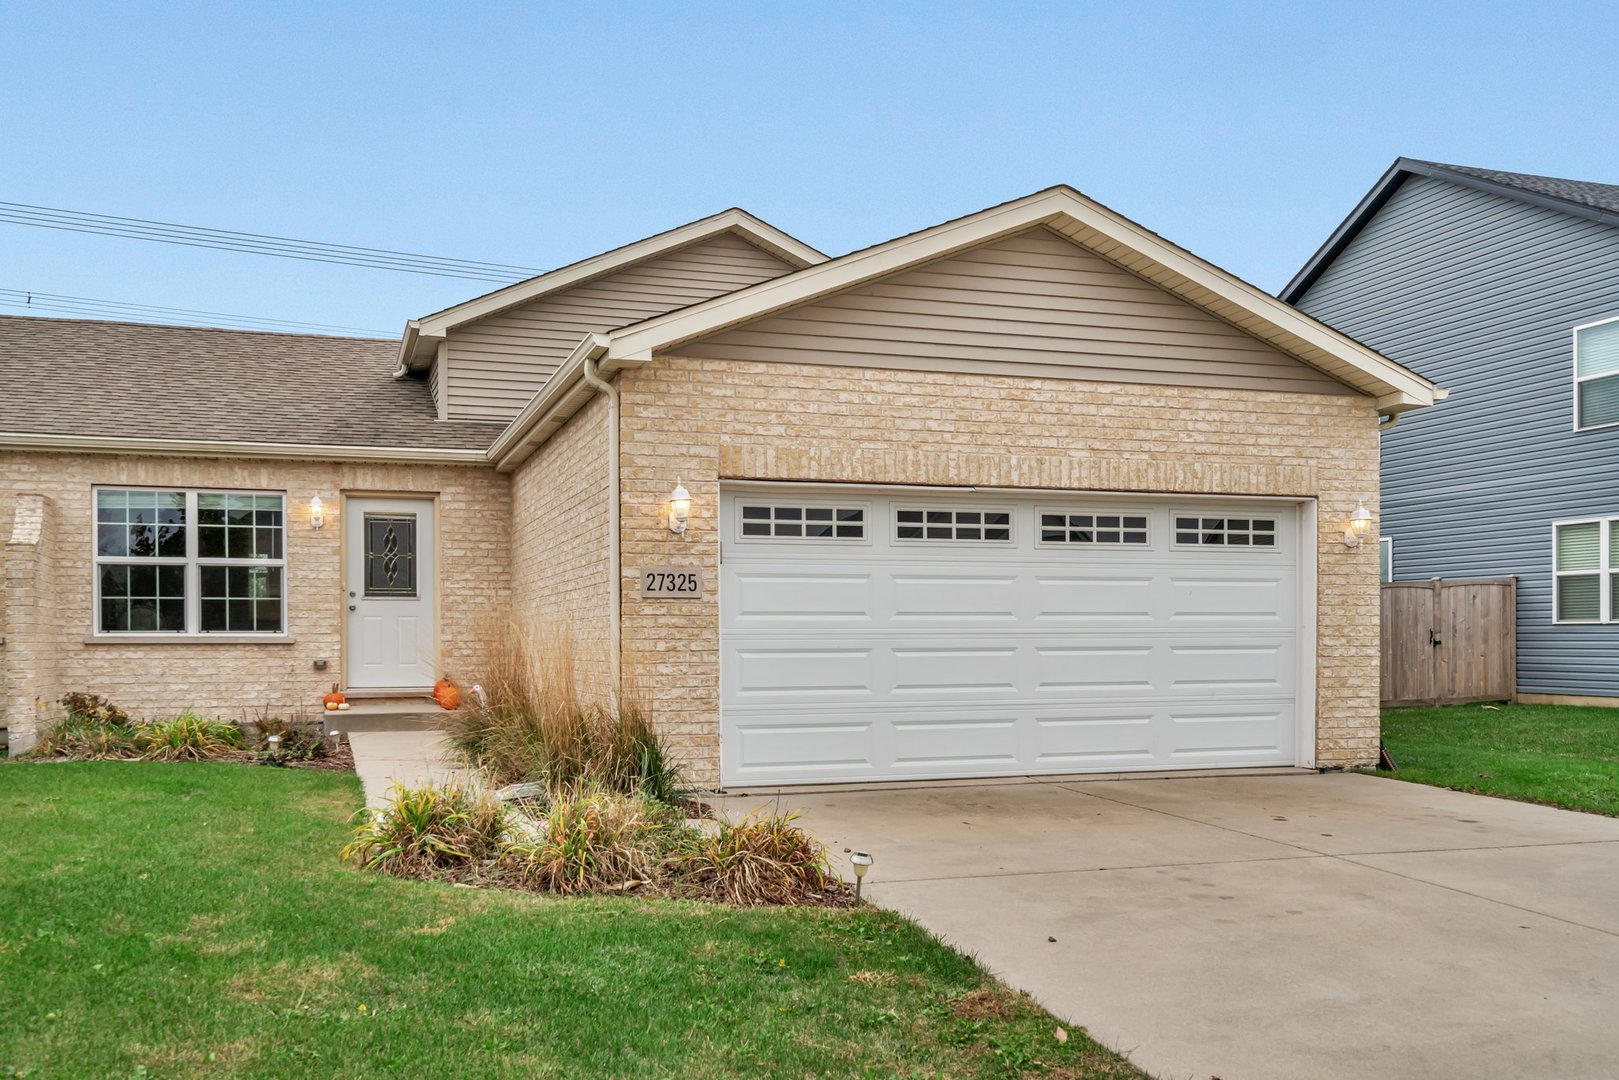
(1596, 374)
(189, 562)
(1583, 566)
(1385, 559)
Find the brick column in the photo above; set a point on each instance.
(26, 659)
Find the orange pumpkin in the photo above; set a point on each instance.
(447, 694)
(334, 699)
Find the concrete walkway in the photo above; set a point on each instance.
(412, 758)
(1287, 926)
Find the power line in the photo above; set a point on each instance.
(92, 307)
(165, 232)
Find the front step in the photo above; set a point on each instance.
(386, 714)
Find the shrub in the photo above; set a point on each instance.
(762, 859)
(531, 723)
(92, 729)
(79, 739)
(93, 709)
(302, 739)
(187, 737)
(428, 832)
(592, 840)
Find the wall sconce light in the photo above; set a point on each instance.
(679, 508)
(317, 513)
(1360, 523)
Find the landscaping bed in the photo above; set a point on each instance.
(194, 920)
(1559, 755)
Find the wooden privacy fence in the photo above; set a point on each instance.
(1446, 642)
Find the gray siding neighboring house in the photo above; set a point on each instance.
(1476, 280)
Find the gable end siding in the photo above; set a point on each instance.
(1480, 293)
(1033, 304)
(495, 365)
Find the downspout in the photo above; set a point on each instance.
(615, 554)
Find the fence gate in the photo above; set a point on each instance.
(1446, 642)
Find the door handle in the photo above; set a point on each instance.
(352, 607)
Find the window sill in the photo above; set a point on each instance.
(190, 639)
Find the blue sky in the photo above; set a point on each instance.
(539, 134)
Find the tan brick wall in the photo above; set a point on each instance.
(701, 421)
(27, 604)
(474, 507)
(560, 534)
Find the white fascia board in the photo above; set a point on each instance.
(513, 446)
(98, 444)
(1062, 208)
(432, 328)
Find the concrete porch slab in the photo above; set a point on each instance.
(413, 758)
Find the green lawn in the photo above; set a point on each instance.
(193, 920)
(1557, 754)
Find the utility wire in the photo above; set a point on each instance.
(91, 307)
(165, 232)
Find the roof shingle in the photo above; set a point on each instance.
(1581, 192)
(87, 377)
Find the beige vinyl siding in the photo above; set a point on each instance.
(496, 364)
(435, 382)
(1032, 304)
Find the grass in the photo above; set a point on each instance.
(194, 920)
(1560, 755)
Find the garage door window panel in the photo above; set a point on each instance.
(1228, 532)
(983, 525)
(1092, 527)
(777, 521)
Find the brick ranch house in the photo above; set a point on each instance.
(1031, 491)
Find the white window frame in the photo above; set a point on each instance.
(193, 564)
(774, 500)
(1605, 571)
(1574, 372)
(1074, 545)
(1011, 513)
(1381, 542)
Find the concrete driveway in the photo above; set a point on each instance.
(1284, 925)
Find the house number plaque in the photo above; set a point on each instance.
(671, 582)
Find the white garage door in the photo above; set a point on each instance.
(874, 636)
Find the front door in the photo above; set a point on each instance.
(392, 641)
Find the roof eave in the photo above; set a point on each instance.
(563, 394)
(99, 444)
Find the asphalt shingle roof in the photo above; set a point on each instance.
(1581, 192)
(86, 377)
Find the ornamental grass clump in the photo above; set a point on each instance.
(763, 859)
(187, 737)
(528, 721)
(438, 831)
(593, 840)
